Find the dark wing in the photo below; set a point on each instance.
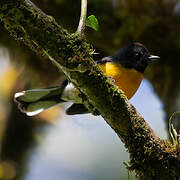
(77, 109)
(104, 60)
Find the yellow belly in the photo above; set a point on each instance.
(127, 79)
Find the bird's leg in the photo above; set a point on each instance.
(111, 79)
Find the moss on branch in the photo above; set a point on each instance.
(150, 157)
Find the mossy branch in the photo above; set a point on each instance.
(150, 157)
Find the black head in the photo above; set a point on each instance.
(134, 55)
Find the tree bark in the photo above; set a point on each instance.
(150, 157)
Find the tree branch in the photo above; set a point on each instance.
(150, 157)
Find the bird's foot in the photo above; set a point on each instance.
(111, 79)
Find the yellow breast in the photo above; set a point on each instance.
(127, 79)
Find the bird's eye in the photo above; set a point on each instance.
(137, 54)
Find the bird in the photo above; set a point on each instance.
(125, 68)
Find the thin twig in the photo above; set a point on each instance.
(82, 20)
(172, 131)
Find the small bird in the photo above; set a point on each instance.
(125, 68)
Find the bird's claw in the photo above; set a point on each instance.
(111, 79)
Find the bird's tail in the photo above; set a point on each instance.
(34, 101)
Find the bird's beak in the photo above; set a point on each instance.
(153, 58)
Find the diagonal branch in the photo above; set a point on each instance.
(150, 156)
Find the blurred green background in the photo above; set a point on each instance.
(55, 146)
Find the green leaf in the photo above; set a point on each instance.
(92, 22)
